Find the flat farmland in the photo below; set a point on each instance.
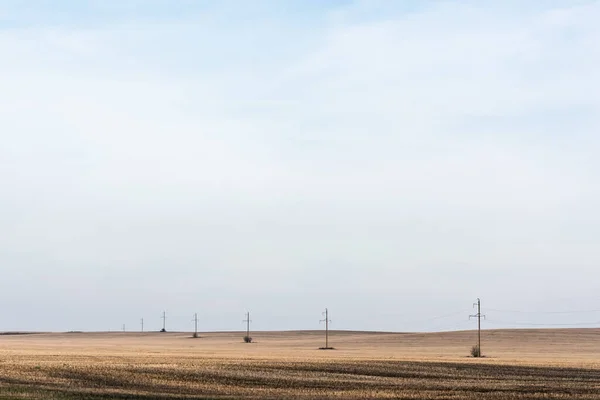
(519, 364)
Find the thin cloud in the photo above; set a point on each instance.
(360, 156)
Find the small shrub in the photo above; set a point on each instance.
(247, 339)
(475, 352)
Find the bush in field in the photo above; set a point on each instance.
(475, 352)
(247, 339)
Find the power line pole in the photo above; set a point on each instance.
(327, 321)
(196, 325)
(478, 316)
(142, 322)
(164, 318)
(247, 339)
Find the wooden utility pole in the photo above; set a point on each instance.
(247, 321)
(196, 325)
(327, 321)
(478, 316)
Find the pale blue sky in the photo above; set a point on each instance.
(390, 160)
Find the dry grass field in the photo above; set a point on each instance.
(520, 364)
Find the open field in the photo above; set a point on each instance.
(559, 364)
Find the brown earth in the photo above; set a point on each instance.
(559, 364)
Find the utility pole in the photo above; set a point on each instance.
(164, 318)
(142, 321)
(478, 316)
(247, 339)
(196, 325)
(327, 321)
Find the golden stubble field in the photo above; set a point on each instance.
(520, 364)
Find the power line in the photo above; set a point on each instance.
(544, 312)
(460, 325)
(449, 324)
(425, 320)
(543, 324)
(443, 316)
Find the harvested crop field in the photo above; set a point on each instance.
(527, 364)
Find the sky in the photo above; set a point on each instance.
(392, 161)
